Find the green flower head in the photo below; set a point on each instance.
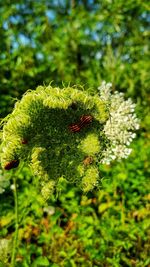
(54, 130)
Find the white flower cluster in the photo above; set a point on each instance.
(119, 128)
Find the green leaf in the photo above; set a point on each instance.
(104, 206)
(41, 261)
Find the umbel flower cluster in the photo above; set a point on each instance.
(120, 126)
(66, 133)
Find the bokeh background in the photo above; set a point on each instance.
(79, 42)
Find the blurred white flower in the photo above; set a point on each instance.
(50, 210)
(12, 187)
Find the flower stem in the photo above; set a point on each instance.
(15, 241)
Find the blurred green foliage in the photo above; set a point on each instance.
(79, 42)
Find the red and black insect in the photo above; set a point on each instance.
(12, 164)
(74, 128)
(87, 160)
(84, 121)
(24, 141)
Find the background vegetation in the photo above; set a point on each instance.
(79, 42)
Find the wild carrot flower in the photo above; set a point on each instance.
(54, 130)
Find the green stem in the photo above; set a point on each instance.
(15, 241)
